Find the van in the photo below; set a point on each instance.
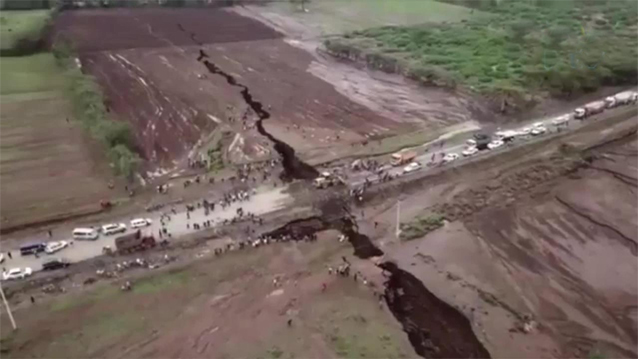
(85, 233)
(32, 248)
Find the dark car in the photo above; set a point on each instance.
(55, 263)
(32, 248)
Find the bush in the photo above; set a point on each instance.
(421, 226)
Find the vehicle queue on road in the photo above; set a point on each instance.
(53, 247)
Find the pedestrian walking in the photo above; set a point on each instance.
(9, 254)
(376, 224)
(50, 233)
(32, 300)
(290, 322)
(323, 287)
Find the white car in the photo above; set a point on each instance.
(113, 228)
(525, 131)
(495, 144)
(141, 222)
(414, 166)
(537, 125)
(450, 157)
(53, 247)
(470, 151)
(471, 142)
(16, 273)
(539, 131)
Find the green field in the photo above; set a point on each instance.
(46, 169)
(21, 25)
(562, 48)
(340, 16)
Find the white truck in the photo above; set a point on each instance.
(589, 109)
(622, 98)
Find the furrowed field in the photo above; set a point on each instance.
(47, 166)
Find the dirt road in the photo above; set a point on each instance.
(263, 202)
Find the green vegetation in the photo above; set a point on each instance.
(88, 103)
(337, 17)
(561, 47)
(421, 226)
(215, 157)
(21, 31)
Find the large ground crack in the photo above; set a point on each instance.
(629, 241)
(435, 329)
(294, 168)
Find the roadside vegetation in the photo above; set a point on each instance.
(88, 106)
(559, 47)
(421, 226)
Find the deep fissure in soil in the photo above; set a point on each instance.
(294, 168)
(449, 335)
(435, 329)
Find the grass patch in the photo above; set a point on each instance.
(421, 226)
(69, 302)
(164, 282)
(21, 31)
(30, 75)
(338, 17)
(522, 47)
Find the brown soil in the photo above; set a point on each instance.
(539, 253)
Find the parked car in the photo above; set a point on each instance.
(470, 151)
(113, 228)
(539, 130)
(525, 131)
(495, 144)
(141, 222)
(450, 157)
(85, 233)
(471, 142)
(55, 263)
(413, 166)
(32, 248)
(53, 247)
(16, 273)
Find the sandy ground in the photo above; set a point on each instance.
(534, 243)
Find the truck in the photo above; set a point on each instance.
(132, 242)
(621, 98)
(589, 109)
(327, 179)
(402, 157)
